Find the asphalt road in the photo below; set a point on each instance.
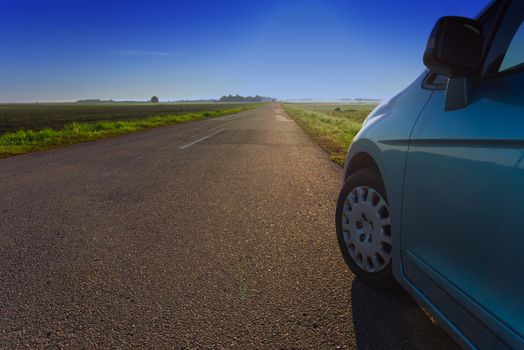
(204, 235)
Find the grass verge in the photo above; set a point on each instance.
(25, 141)
(331, 126)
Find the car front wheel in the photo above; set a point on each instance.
(364, 228)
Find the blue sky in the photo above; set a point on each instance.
(321, 49)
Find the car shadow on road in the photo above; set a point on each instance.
(391, 319)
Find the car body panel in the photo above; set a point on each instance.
(384, 137)
(387, 136)
(454, 183)
(462, 222)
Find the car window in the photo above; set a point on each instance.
(488, 18)
(505, 52)
(514, 57)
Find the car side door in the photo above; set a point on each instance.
(462, 236)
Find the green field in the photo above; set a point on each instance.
(38, 116)
(332, 126)
(35, 127)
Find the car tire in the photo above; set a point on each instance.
(364, 230)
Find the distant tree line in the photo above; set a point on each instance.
(238, 98)
(155, 99)
(94, 100)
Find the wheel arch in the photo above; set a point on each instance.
(360, 160)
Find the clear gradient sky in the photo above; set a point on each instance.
(321, 49)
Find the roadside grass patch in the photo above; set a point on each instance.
(38, 116)
(24, 141)
(333, 127)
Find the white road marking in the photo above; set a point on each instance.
(281, 118)
(201, 139)
(179, 141)
(231, 117)
(170, 145)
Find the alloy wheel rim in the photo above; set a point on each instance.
(366, 228)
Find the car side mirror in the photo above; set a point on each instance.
(454, 47)
(454, 50)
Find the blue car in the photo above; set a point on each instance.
(433, 192)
